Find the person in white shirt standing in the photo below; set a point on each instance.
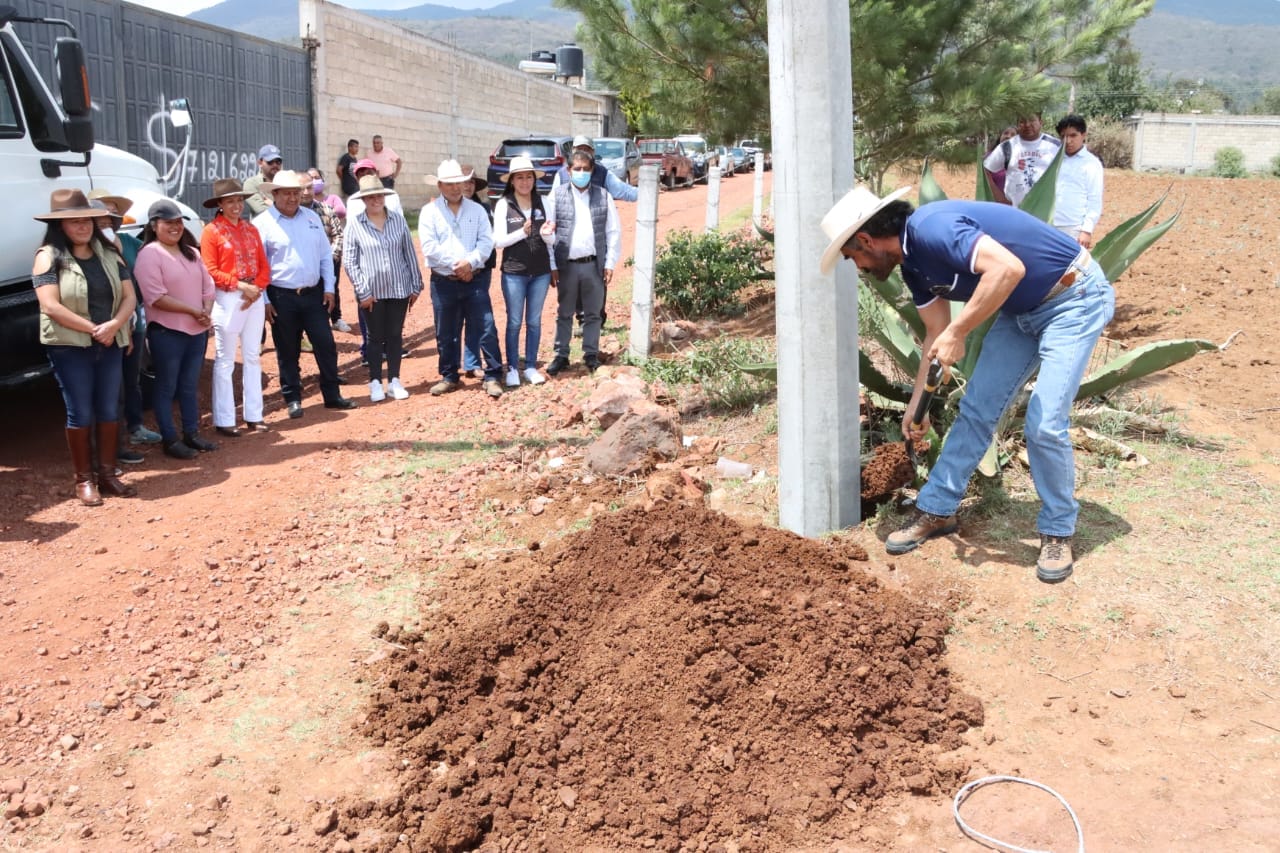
(1078, 195)
(1024, 158)
(588, 240)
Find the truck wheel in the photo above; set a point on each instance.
(671, 180)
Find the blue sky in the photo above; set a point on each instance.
(186, 7)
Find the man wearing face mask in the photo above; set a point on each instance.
(588, 242)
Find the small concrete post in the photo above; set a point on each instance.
(713, 198)
(811, 108)
(645, 252)
(757, 197)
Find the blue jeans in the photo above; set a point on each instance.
(1057, 337)
(471, 332)
(132, 390)
(89, 378)
(178, 357)
(525, 295)
(452, 301)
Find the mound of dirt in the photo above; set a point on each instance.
(667, 679)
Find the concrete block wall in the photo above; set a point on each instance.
(1188, 142)
(428, 99)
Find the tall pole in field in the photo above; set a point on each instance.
(645, 251)
(811, 107)
(757, 196)
(713, 198)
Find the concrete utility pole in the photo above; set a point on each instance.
(713, 198)
(811, 104)
(645, 251)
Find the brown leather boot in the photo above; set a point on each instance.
(108, 482)
(82, 461)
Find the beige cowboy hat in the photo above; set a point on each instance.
(480, 182)
(107, 197)
(521, 164)
(371, 185)
(283, 181)
(226, 188)
(848, 215)
(450, 172)
(68, 204)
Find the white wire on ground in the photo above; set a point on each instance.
(963, 794)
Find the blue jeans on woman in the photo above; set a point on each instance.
(1058, 337)
(89, 378)
(525, 295)
(177, 357)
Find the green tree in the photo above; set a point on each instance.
(929, 75)
(1120, 90)
(1269, 103)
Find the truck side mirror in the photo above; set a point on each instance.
(73, 88)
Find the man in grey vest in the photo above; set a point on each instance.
(588, 242)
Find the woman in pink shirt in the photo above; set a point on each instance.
(178, 291)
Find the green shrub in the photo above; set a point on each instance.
(1275, 166)
(698, 275)
(1112, 143)
(713, 365)
(1228, 162)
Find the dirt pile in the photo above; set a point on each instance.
(672, 680)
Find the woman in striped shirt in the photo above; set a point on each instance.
(378, 255)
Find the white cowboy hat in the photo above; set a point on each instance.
(848, 215)
(521, 164)
(283, 181)
(450, 172)
(371, 185)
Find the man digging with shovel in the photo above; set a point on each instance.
(1053, 301)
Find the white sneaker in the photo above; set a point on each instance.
(533, 377)
(513, 378)
(342, 325)
(376, 394)
(396, 390)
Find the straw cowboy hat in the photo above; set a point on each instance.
(371, 185)
(100, 206)
(283, 181)
(522, 164)
(449, 173)
(848, 215)
(226, 188)
(122, 204)
(68, 204)
(481, 183)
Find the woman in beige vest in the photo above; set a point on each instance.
(86, 304)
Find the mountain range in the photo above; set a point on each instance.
(1230, 42)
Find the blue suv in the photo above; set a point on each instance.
(548, 153)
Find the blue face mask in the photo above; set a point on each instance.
(580, 179)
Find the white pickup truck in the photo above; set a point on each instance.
(45, 145)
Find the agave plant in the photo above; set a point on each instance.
(897, 328)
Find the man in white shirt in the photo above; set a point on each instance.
(588, 242)
(1024, 158)
(1078, 196)
(456, 239)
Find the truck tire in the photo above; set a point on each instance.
(671, 180)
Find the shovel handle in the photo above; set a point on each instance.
(931, 382)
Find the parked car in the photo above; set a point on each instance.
(743, 161)
(702, 155)
(752, 147)
(620, 156)
(728, 163)
(673, 163)
(548, 153)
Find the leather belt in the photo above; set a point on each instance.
(298, 290)
(1070, 277)
(589, 259)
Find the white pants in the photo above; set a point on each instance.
(232, 323)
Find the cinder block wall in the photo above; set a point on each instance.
(1188, 142)
(429, 100)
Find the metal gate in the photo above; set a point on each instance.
(243, 92)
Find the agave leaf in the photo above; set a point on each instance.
(760, 229)
(891, 291)
(929, 189)
(763, 369)
(1140, 362)
(1110, 247)
(1039, 202)
(1139, 244)
(973, 347)
(989, 464)
(982, 192)
(877, 383)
